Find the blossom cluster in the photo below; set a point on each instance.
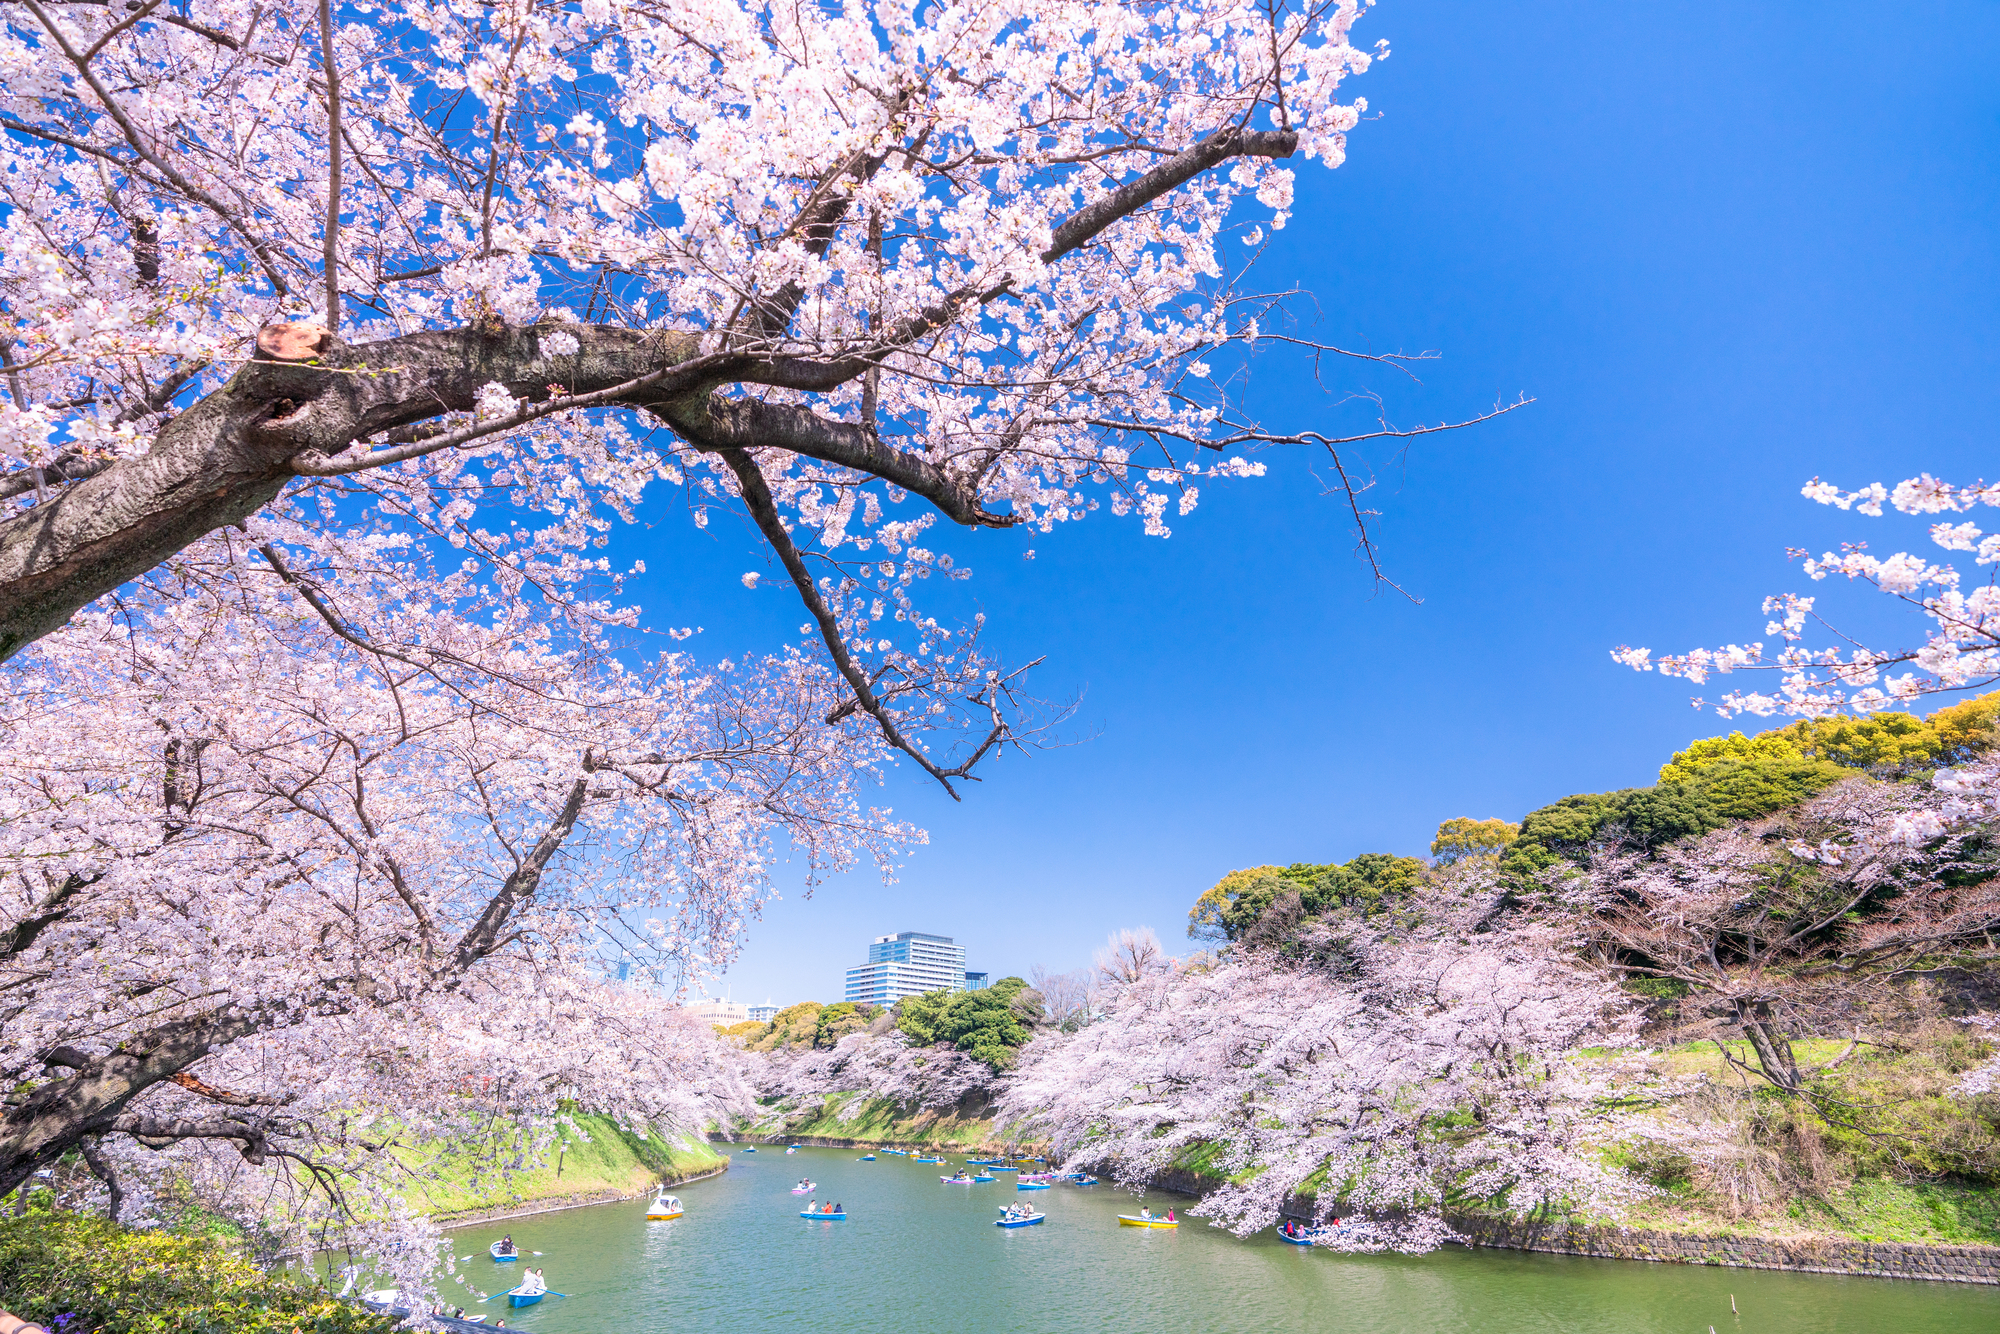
(1961, 644)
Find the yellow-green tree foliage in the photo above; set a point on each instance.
(1462, 836)
(1948, 736)
(794, 1026)
(744, 1033)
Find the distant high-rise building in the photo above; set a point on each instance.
(763, 1014)
(908, 963)
(975, 981)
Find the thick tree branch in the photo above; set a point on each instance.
(55, 1117)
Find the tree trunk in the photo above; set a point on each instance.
(1773, 1048)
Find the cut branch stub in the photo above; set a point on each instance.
(293, 342)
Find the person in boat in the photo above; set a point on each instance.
(1170, 1215)
(507, 1244)
(1145, 1211)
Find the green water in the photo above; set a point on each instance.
(917, 1255)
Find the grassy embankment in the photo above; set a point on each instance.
(1900, 1159)
(865, 1120)
(612, 1162)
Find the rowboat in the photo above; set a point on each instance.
(793, 1149)
(1019, 1220)
(521, 1297)
(750, 1150)
(500, 1256)
(663, 1206)
(983, 1176)
(1303, 1239)
(926, 1160)
(1127, 1220)
(1032, 1185)
(867, 1157)
(1000, 1167)
(837, 1218)
(806, 1189)
(960, 1180)
(1082, 1180)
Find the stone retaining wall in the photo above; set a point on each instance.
(1812, 1255)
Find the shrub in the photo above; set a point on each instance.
(81, 1275)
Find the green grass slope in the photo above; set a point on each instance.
(599, 1158)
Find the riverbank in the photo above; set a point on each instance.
(603, 1163)
(855, 1121)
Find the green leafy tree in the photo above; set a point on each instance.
(1226, 910)
(793, 1026)
(837, 1021)
(1463, 837)
(990, 1025)
(1367, 883)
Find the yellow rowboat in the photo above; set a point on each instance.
(1126, 1220)
(663, 1207)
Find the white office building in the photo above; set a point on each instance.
(765, 1013)
(721, 1012)
(907, 964)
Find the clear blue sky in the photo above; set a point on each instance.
(1725, 248)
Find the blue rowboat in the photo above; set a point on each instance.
(750, 1151)
(867, 1157)
(1031, 1185)
(983, 1176)
(998, 1167)
(1019, 1221)
(960, 1180)
(502, 1258)
(927, 1160)
(1303, 1239)
(835, 1218)
(519, 1298)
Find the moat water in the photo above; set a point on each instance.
(916, 1255)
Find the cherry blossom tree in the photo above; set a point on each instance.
(1757, 918)
(1414, 1071)
(880, 1065)
(811, 261)
(1961, 638)
(370, 873)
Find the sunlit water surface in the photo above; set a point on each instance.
(917, 1255)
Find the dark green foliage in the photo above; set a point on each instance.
(838, 1020)
(1366, 883)
(991, 1024)
(1241, 900)
(1746, 791)
(1654, 817)
(1704, 795)
(87, 1276)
